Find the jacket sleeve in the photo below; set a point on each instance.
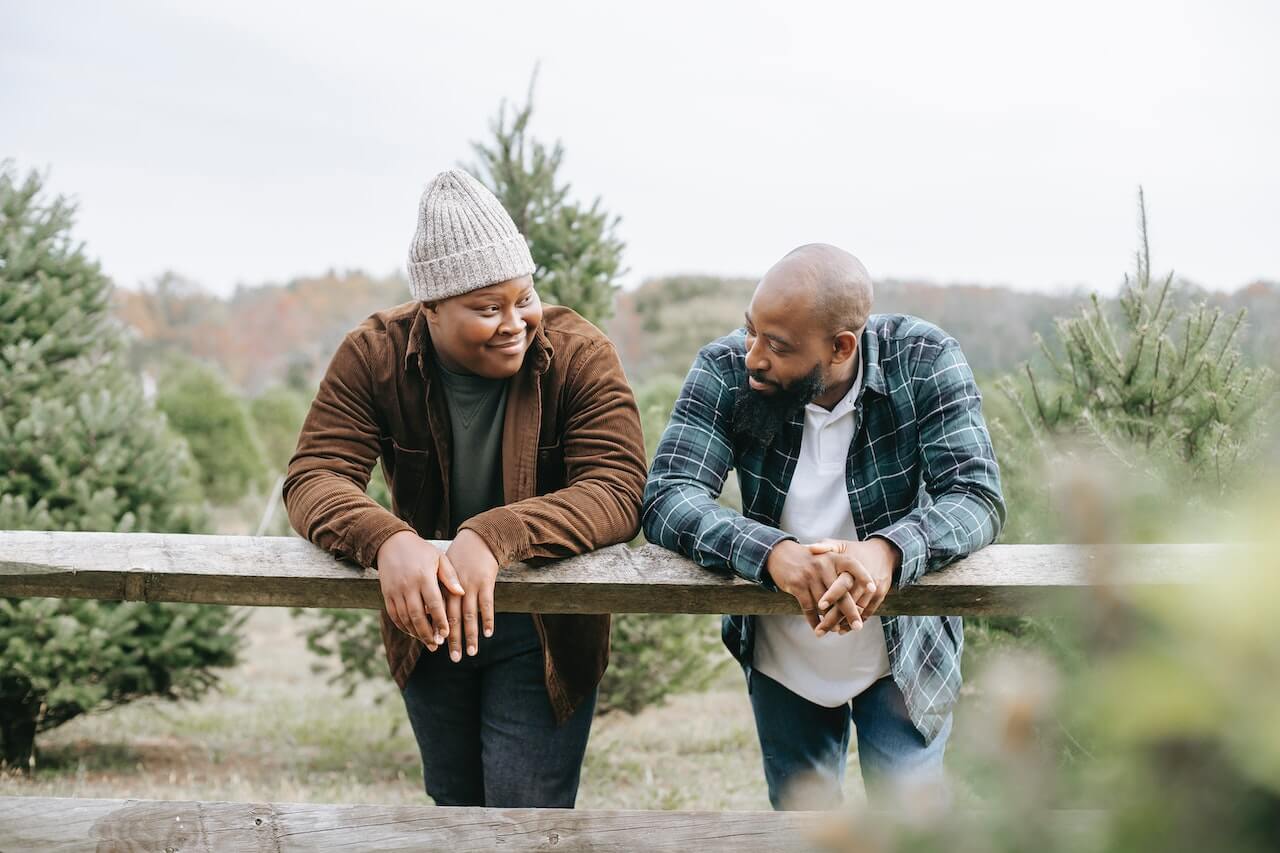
(603, 447)
(966, 508)
(688, 473)
(324, 489)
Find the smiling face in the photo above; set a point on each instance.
(804, 321)
(802, 330)
(487, 331)
(786, 367)
(783, 346)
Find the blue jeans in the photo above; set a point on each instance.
(485, 727)
(806, 746)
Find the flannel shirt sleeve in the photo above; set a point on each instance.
(959, 468)
(687, 475)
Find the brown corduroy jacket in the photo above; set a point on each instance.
(573, 468)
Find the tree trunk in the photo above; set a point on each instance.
(17, 739)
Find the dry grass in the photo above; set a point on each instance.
(278, 732)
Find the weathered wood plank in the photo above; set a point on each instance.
(287, 571)
(55, 824)
(65, 825)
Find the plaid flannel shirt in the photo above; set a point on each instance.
(920, 472)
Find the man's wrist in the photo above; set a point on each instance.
(391, 542)
(467, 533)
(893, 554)
(778, 550)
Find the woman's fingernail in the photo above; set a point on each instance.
(455, 655)
(471, 650)
(488, 632)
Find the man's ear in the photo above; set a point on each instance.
(844, 346)
(433, 311)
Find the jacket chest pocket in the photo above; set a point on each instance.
(407, 471)
(551, 474)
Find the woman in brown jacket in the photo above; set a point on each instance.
(508, 428)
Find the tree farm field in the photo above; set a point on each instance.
(277, 731)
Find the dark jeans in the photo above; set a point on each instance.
(806, 746)
(485, 727)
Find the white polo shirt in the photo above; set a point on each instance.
(832, 669)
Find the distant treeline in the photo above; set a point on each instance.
(276, 333)
(659, 326)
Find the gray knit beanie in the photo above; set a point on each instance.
(464, 240)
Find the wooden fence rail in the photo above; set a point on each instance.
(286, 571)
(52, 824)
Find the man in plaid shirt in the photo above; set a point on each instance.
(864, 462)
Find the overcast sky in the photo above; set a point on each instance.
(980, 142)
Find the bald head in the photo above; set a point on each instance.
(831, 283)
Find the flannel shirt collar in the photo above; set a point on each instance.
(872, 375)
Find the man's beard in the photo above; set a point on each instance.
(759, 416)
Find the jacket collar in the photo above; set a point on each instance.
(420, 351)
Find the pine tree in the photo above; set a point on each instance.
(576, 251)
(80, 449)
(1152, 379)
